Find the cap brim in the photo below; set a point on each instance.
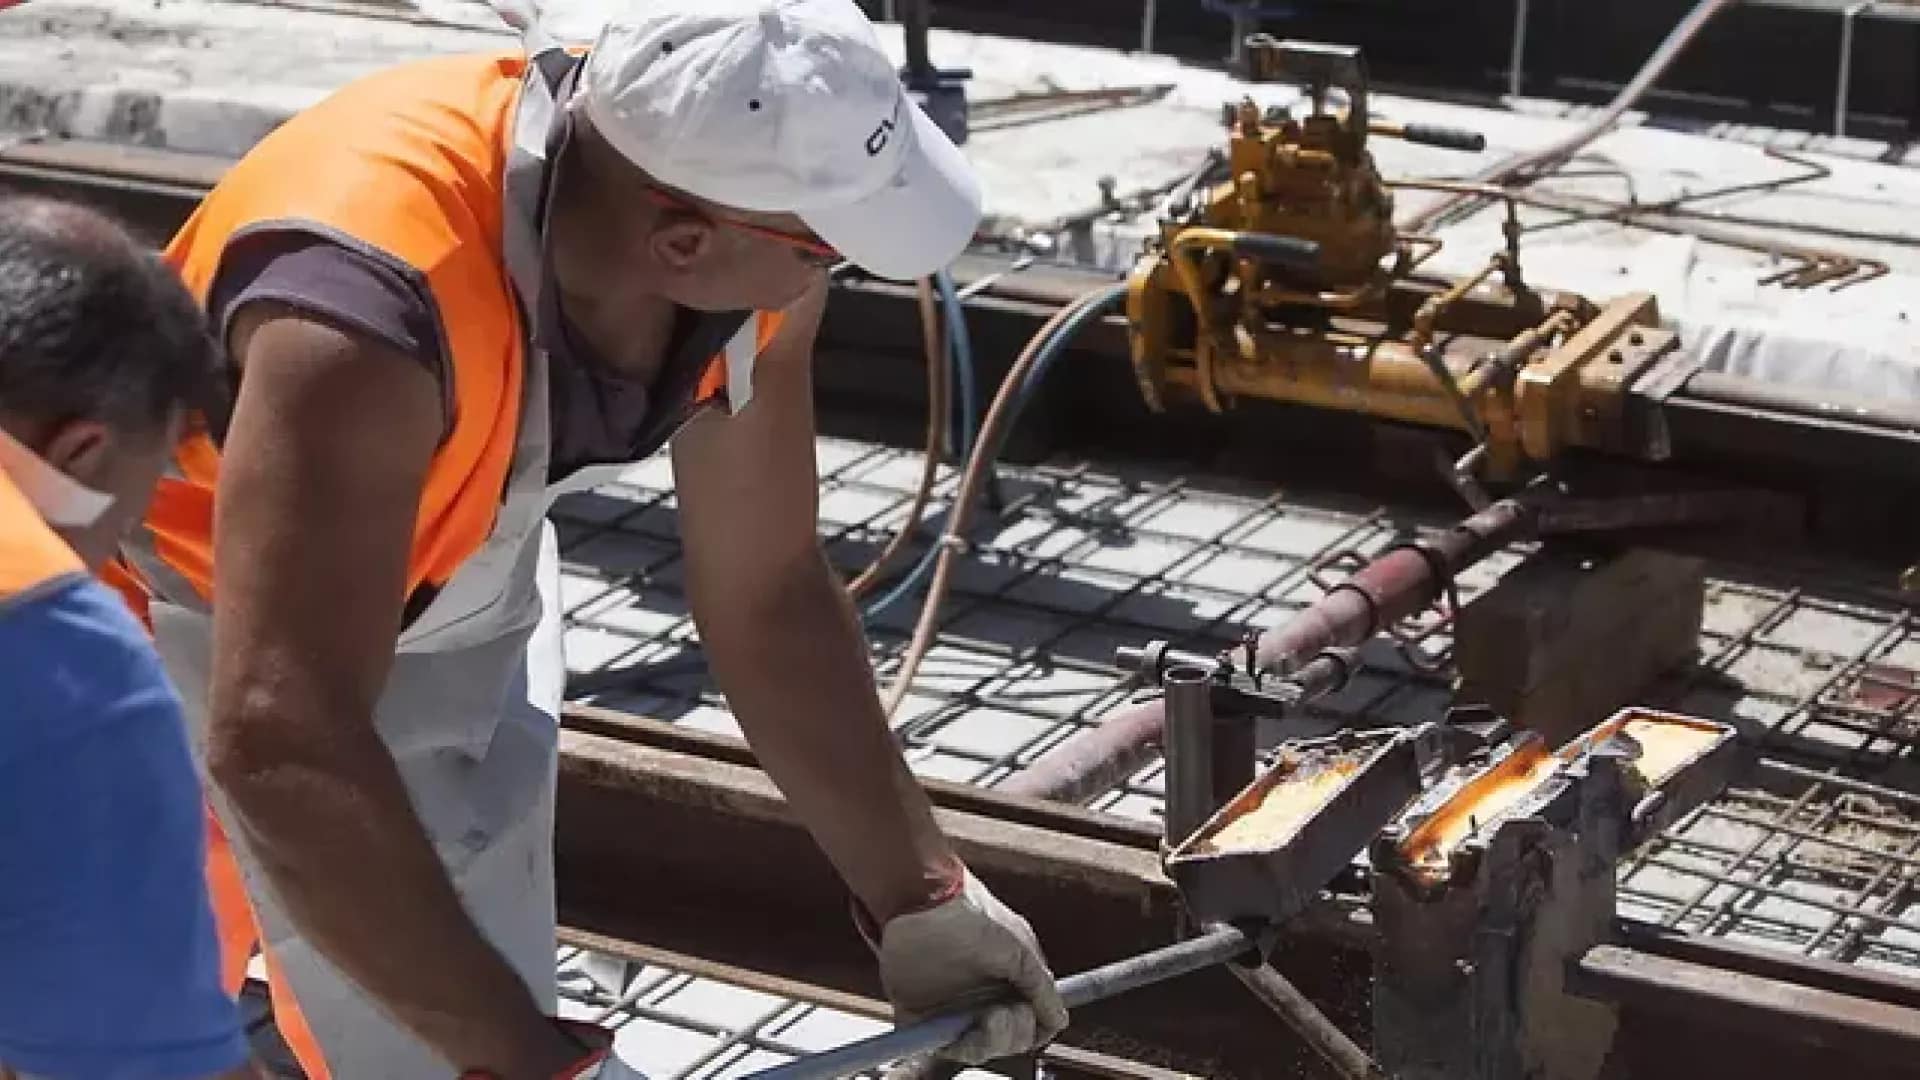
(919, 222)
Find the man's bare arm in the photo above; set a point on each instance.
(320, 483)
(783, 638)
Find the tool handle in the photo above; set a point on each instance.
(1217, 946)
(1288, 251)
(1450, 138)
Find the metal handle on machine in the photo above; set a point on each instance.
(1447, 138)
(1217, 946)
(1289, 251)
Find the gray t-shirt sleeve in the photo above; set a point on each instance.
(356, 289)
(595, 415)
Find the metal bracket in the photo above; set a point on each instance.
(1645, 415)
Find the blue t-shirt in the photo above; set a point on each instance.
(109, 963)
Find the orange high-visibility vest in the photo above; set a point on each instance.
(410, 164)
(407, 163)
(32, 555)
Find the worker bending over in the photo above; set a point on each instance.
(452, 291)
(108, 962)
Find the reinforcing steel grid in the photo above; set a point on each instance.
(1073, 560)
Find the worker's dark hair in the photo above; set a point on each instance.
(92, 324)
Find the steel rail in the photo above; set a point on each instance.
(1064, 1059)
(1090, 883)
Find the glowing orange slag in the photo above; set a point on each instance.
(1483, 799)
(1666, 742)
(1279, 811)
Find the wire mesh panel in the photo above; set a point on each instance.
(1067, 562)
(673, 1025)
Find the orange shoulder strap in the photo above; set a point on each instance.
(31, 553)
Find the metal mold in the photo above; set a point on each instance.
(1245, 864)
(1681, 762)
(1514, 780)
(1670, 765)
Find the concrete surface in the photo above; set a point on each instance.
(211, 76)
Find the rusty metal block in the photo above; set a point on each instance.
(1497, 880)
(1573, 634)
(1271, 849)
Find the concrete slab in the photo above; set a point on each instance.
(211, 76)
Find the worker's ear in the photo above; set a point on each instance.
(681, 241)
(83, 449)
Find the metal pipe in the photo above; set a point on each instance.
(1189, 721)
(1430, 311)
(1391, 587)
(1097, 759)
(1845, 75)
(1514, 354)
(1234, 750)
(1217, 946)
(1148, 16)
(1519, 54)
(1397, 584)
(915, 20)
(1308, 1022)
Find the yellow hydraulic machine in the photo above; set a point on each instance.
(1287, 280)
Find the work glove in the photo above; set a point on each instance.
(966, 951)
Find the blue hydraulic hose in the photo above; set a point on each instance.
(960, 355)
(1094, 310)
(1050, 351)
(960, 359)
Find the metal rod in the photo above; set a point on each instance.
(1148, 16)
(1308, 1022)
(1234, 747)
(1519, 47)
(1190, 789)
(915, 19)
(1217, 946)
(1845, 76)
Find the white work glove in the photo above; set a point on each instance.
(958, 955)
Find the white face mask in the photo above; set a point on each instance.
(63, 501)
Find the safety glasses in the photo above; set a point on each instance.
(811, 249)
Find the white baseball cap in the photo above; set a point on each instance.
(784, 106)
